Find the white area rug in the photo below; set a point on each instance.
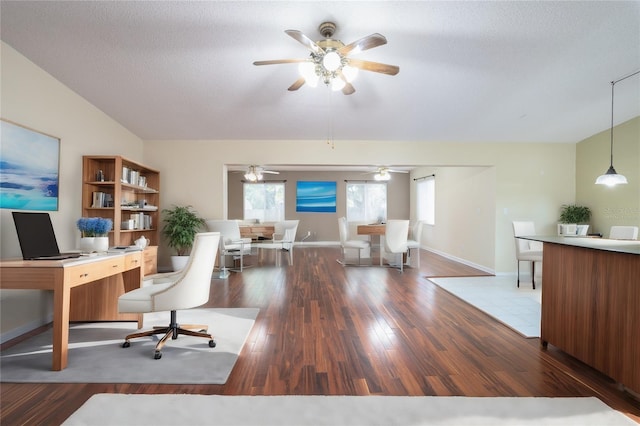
(96, 355)
(517, 308)
(120, 409)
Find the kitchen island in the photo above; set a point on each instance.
(591, 303)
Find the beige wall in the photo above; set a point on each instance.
(323, 226)
(531, 181)
(33, 98)
(619, 205)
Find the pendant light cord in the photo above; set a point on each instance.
(612, 85)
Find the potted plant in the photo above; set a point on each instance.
(94, 233)
(574, 220)
(181, 224)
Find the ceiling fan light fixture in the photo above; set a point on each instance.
(308, 71)
(337, 84)
(350, 73)
(382, 176)
(332, 61)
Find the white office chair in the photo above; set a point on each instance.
(395, 239)
(284, 236)
(185, 289)
(413, 243)
(346, 243)
(231, 243)
(527, 251)
(623, 233)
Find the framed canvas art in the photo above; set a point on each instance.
(316, 197)
(29, 169)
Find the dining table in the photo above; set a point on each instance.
(372, 230)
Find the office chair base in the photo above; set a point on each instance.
(173, 330)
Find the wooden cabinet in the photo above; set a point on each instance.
(128, 193)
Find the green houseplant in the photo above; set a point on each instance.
(571, 213)
(574, 220)
(181, 224)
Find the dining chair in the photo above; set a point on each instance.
(348, 243)
(395, 240)
(526, 250)
(413, 244)
(231, 243)
(284, 237)
(173, 291)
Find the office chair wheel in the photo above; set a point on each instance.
(212, 343)
(126, 344)
(157, 355)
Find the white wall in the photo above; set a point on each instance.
(33, 98)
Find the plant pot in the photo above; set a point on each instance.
(94, 244)
(179, 262)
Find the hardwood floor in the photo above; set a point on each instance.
(328, 329)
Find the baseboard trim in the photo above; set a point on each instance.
(460, 260)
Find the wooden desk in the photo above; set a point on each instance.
(110, 275)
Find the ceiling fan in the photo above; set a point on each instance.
(329, 60)
(384, 173)
(254, 173)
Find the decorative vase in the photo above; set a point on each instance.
(86, 244)
(101, 244)
(94, 244)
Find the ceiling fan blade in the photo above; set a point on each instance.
(271, 172)
(296, 85)
(374, 66)
(368, 42)
(310, 44)
(280, 61)
(348, 88)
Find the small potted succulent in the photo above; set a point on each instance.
(94, 233)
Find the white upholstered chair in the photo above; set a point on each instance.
(623, 233)
(284, 237)
(185, 289)
(348, 243)
(231, 243)
(413, 244)
(395, 239)
(527, 251)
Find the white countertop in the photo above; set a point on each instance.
(620, 246)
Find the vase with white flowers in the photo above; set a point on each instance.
(94, 233)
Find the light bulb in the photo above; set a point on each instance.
(337, 84)
(307, 70)
(331, 61)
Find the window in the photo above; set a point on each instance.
(366, 202)
(263, 201)
(426, 200)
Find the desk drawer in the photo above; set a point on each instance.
(132, 261)
(82, 274)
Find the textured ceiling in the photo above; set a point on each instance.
(469, 71)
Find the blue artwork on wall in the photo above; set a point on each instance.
(28, 169)
(316, 197)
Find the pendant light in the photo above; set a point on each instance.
(611, 177)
